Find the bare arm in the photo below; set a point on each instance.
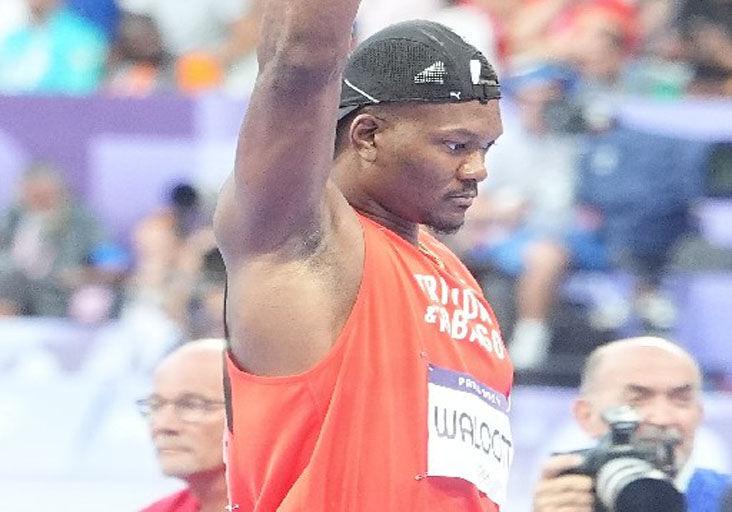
(275, 197)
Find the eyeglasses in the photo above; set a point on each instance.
(189, 408)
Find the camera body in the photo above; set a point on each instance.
(632, 473)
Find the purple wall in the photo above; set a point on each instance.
(121, 154)
(84, 137)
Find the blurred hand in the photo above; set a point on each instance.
(556, 492)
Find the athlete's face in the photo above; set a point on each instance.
(187, 414)
(430, 159)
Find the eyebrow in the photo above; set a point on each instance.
(469, 134)
(184, 395)
(636, 388)
(686, 388)
(459, 131)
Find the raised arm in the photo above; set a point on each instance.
(275, 197)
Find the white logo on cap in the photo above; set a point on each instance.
(455, 94)
(475, 69)
(433, 74)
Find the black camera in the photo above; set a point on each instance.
(632, 472)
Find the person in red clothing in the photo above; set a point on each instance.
(186, 415)
(365, 369)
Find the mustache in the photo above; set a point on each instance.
(470, 189)
(654, 433)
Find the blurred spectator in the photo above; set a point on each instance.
(618, 168)
(207, 299)
(170, 248)
(501, 14)
(99, 294)
(617, 47)
(658, 69)
(597, 39)
(706, 31)
(548, 29)
(103, 14)
(602, 40)
(56, 52)
(154, 283)
(529, 27)
(186, 417)
(138, 63)
(650, 47)
(520, 224)
(45, 239)
(187, 210)
(211, 40)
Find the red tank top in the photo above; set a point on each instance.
(407, 412)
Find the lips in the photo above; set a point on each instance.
(172, 449)
(462, 200)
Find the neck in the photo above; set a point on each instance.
(409, 231)
(369, 207)
(210, 489)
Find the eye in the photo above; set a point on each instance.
(488, 146)
(192, 403)
(456, 146)
(638, 397)
(147, 406)
(685, 397)
(635, 399)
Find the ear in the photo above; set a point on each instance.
(587, 419)
(363, 135)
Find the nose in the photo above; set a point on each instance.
(473, 168)
(661, 413)
(164, 420)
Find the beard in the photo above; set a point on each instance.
(442, 227)
(443, 223)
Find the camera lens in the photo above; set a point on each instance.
(628, 484)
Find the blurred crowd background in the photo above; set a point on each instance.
(607, 211)
(657, 48)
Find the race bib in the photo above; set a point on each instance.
(469, 435)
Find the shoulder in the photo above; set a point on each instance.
(711, 476)
(181, 501)
(706, 487)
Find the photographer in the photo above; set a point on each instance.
(662, 384)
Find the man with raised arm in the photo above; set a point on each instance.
(366, 371)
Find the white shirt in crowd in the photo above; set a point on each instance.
(191, 24)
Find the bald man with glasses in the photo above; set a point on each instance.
(186, 416)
